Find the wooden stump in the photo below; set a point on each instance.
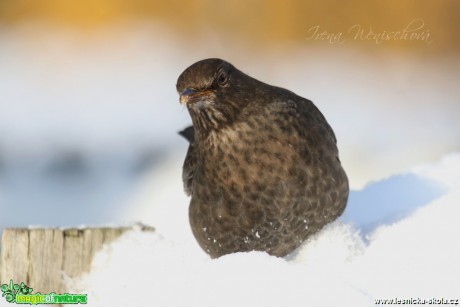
(41, 257)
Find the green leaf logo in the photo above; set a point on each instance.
(4, 288)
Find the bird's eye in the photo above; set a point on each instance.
(222, 78)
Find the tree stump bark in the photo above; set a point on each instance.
(42, 257)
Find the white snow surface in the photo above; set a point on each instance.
(397, 239)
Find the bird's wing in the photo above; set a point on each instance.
(309, 107)
(188, 133)
(188, 169)
(324, 122)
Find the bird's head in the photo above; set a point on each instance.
(213, 91)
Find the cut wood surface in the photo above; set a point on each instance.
(41, 257)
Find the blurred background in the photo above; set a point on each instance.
(89, 113)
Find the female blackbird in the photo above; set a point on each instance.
(262, 167)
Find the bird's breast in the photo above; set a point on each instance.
(244, 162)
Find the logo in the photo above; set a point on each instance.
(21, 294)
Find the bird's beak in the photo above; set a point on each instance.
(191, 96)
(186, 95)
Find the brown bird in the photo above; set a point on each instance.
(262, 167)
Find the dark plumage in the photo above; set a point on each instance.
(262, 167)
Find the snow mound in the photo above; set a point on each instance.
(347, 264)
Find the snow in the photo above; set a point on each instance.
(404, 244)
